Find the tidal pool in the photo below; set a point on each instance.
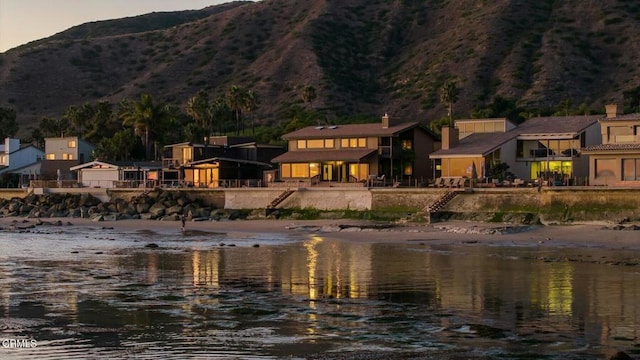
(84, 292)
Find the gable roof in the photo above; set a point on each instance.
(333, 131)
(217, 159)
(324, 155)
(476, 144)
(556, 125)
(119, 165)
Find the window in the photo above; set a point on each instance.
(314, 169)
(3, 159)
(406, 144)
(50, 156)
(605, 167)
(286, 171)
(630, 169)
(359, 171)
(315, 144)
(67, 156)
(353, 143)
(300, 170)
(408, 169)
(71, 144)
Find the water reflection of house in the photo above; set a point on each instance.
(219, 161)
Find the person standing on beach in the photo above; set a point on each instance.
(183, 219)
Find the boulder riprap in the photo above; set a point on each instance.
(156, 204)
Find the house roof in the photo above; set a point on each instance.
(334, 131)
(556, 125)
(625, 117)
(119, 164)
(324, 155)
(217, 159)
(606, 148)
(476, 144)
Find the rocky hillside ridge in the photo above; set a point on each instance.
(362, 56)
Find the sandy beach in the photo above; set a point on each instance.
(599, 235)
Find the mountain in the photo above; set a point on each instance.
(362, 56)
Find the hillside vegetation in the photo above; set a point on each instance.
(363, 56)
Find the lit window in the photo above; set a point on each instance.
(71, 143)
(302, 144)
(406, 144)
(50, 156)
(408, 169)
(328, 143)
(362, 142)
(300, 170)
(286, 171)
(315, 144)
(353, 143)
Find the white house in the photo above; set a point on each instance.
(112, 174)
(14, 156)
(68, 148)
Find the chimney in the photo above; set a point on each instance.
(449, 137)
(385, 121)
(612, 110)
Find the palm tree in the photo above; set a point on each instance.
(449, 94)
(250, 104)
(197, 107)
(220, 113)
(235, 99)
(142, 115)
(309, 94)
(8, 123)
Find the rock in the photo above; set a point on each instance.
(97, 218)
(620, 355)
(157, 210)
(176, 209)
(152, 246)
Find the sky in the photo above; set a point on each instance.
(22, 21)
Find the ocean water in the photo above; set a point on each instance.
(91, 292)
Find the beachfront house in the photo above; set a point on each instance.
(220, 161)
(118, 174)
(357, 154)
(68, 148)
(13, 155)
(542, 148)
(616, 161)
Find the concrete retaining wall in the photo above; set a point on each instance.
(8, 194)
(404, 198)
(322, 199)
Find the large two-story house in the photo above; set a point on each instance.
(218, 161)
(356, 153)
(545, 148)
(616, 161)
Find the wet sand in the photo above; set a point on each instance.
(599, 235)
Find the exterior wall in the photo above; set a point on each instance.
(322, 199)
(423, 146)
(60, 146)
(103, 178)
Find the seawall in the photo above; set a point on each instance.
(560, 204)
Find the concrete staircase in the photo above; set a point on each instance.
(441, 202)
(282, 197)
